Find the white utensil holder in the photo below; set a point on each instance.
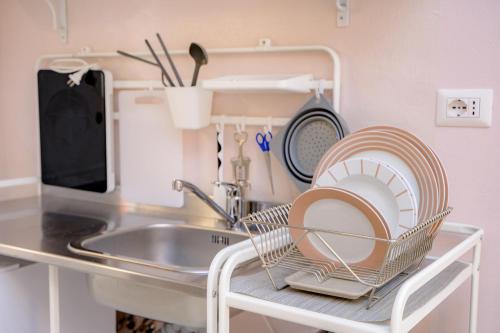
(190, 107)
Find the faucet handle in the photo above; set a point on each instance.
(230, 187)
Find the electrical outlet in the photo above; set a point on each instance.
(464, 108)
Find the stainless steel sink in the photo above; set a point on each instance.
(252, 206)
(180, 248)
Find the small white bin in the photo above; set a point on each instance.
(190, 107)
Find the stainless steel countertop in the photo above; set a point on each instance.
(38, 229)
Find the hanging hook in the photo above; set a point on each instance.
(269, 126)
(321, 86)
(219, 126)
(320, 89)
(317, 93)
(241, 126)
(244, 124)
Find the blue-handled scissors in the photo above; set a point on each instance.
(263, 139)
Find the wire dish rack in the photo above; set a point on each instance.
(278, 248)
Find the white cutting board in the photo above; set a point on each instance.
(150, 149)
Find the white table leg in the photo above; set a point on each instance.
(54, 299)
(474, 289)
(223, 316)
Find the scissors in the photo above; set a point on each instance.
(263, 139)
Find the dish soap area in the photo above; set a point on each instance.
(242, 167)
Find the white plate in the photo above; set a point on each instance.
(336, 209)
(379, 183)
(390, 148)
(396, 163)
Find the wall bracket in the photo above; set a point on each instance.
(58, 9)
(343, 13)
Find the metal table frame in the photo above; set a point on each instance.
(240, 253)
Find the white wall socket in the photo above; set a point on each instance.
(464, 107)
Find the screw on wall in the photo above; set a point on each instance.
(343, 13)
(265, 42)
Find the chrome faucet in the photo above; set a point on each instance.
(234, 201)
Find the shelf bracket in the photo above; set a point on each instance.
(58, 9)
(343, 13)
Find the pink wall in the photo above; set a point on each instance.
(395, 55)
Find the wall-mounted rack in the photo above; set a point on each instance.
(263, 48)
(303, 83)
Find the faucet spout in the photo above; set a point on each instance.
(179, 185)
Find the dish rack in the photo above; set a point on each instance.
(277, 248)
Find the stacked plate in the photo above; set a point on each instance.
(378, 182)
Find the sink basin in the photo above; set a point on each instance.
(172, 247)
(179, 248)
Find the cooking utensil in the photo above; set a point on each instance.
(125, 54)
(150, 149)
(263, 139)
(200, 57)
(170, 61)
(163, 70)
(300, 145)
(241, 163)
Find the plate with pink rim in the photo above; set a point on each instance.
(396, 152)
(430, 155)
(379, 183)
(340, 210)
